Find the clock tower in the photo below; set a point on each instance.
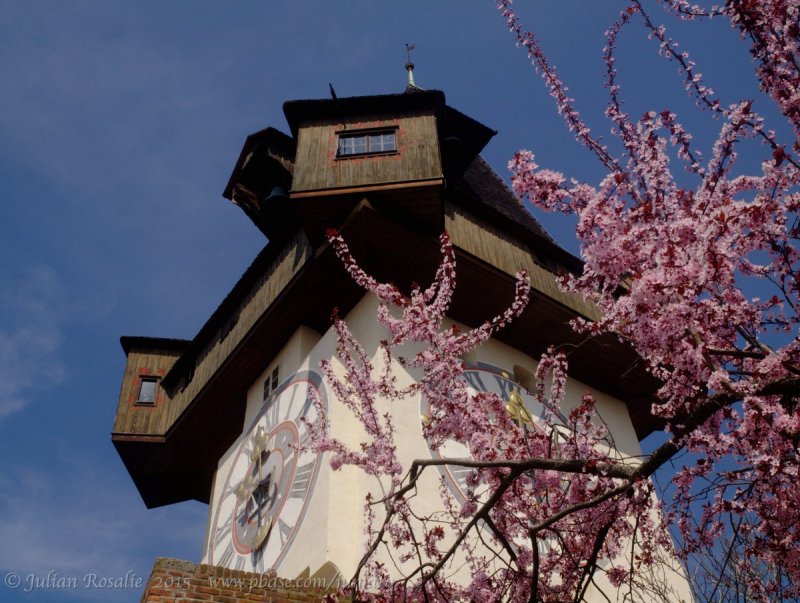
(220, 418)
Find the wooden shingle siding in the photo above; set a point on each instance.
(485, 241)
(264, 292)
(417, 158)
(144, 419)
(157, 420)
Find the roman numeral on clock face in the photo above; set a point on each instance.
(475, 381)
(284, 531)
(273, 418)
(226, 557)
(266, 479)
(460, 475)
(289, 405)
(505, 386)
(301, 480)
(222, 533)
(308, 403)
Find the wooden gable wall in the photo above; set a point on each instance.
(317, 166)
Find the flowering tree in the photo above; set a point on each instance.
(668, 265)
(520, 519)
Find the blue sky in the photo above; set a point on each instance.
(119, 126)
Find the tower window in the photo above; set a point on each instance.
(367, 143)
(271, 383)
(147, 391)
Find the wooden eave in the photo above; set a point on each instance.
(462, 138)
(415, 204)
(164, 344)
(266, 161)
(181, 465)
(298, 112)
(229, 304)
(269, 138)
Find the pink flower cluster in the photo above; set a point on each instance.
(673, 270)
(522, 517)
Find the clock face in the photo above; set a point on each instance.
(269, 484)
(521, 407)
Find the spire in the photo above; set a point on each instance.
(411, 86)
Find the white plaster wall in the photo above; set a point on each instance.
(292, 358)
(334, 527)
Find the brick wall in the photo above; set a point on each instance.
(179, 581)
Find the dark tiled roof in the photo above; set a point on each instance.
(488, 194)
(492, 191)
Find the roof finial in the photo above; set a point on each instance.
(410, 66)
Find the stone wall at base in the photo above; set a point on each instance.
(177, 581)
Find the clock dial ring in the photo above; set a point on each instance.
(274, 469)
(259, 539)
(521, 407)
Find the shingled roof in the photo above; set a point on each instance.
(482, 189)
(493, 192)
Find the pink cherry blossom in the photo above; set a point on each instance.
(668, 267)
(548, 510)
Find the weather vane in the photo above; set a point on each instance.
(410, 65)
(409, 48)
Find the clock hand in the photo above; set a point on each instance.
(261, 443)
(516, 409)
(263, 532)
(260, 494)
(263, 522)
